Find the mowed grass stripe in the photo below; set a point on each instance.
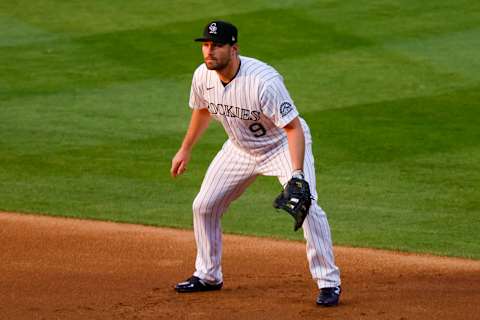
(396, 20)
(455, 52)
(82, 118)
(15, 32)
(77, 18)
(377, 20)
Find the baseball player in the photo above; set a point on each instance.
(266, 136)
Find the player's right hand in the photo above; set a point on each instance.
(179, 163)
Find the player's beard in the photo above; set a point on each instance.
(216, 64)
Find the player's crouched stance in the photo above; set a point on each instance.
(266, 136)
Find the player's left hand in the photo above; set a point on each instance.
(296, 200)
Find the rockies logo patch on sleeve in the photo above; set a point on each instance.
(285, 108)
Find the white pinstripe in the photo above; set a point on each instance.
(253, 97)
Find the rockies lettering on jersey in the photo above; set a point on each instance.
(234, 112)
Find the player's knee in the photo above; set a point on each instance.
(200, 206)
(207, 206)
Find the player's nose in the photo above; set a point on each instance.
(209, 52)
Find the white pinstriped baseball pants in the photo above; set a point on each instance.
(229, 174)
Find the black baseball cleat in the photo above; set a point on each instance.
(329, 297)
(195, 284)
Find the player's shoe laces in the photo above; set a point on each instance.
(329, 297)
(195, 284)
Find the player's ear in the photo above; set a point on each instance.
(235, 48)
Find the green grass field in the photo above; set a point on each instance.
(93, 105)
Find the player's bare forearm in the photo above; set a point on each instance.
(296, 143)
(198, 124)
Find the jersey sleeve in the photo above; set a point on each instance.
(276, 102)
(197, 101)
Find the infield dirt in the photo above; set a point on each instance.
(57, 268)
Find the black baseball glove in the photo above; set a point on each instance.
(296, 200)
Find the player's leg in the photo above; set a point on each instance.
(315, 227)
(317, 234)
(227, 177)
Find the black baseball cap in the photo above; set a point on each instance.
(220, 32)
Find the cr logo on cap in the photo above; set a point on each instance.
(213, 28)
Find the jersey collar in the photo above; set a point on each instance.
(236, 73)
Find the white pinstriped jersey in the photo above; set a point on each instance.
(253, 108)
